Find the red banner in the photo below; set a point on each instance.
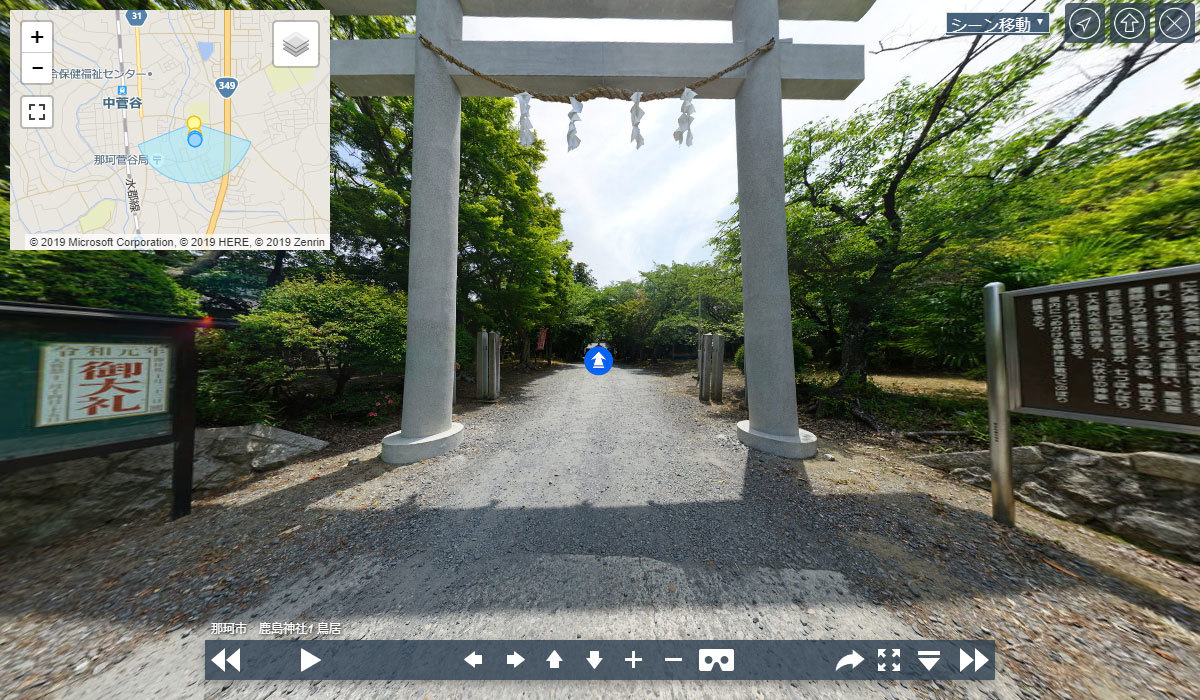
(541, 340)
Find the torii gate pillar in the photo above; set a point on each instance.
(766, 295)
(426, 427)
(401, 66)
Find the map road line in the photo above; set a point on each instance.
(137, 47)
(137, 223)
(216, 212)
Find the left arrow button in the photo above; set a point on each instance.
(308, 660)
(474, 658)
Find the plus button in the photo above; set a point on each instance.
(633, 659)
(37, 36)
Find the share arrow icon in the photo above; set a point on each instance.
(853, 659)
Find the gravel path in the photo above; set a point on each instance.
(598, 507)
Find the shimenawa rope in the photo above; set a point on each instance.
(600, 90)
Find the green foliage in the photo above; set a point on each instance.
(464, 348)
(905, 411)
(801, 355)
(660, 312)
(898, 215)
(364, 407)
(345, 327)
(259, 372)
(108, 279)
(236, 387)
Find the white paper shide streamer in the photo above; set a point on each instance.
(574, 116)
(684, 133)
(526, 125)
(635, 115)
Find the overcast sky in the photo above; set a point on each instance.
(626, 209)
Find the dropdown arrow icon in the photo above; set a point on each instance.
(594, 658)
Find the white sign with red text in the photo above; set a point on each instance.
(80, 382)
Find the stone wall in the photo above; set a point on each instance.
(1149, 498)
(41, 504)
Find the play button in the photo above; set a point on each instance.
(308, 660)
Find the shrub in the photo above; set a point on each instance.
(464, 348)
(236, 387)
(801, 355)
(345, 327)
(104, 279)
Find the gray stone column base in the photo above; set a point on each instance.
(398, 449)
(803, 445)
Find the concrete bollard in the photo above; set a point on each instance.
(705, 362)
(717, 368)
(494, 365)
(481, 365)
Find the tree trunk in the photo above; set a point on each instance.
(276, 275)
(525, 349)
(855, 342)
(343, 376)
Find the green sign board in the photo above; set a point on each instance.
(70, 388)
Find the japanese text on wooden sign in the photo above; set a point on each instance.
(1126, 349)
(80, 382)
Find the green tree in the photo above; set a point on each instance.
(874, 200)
(108, 279)
(346, 327)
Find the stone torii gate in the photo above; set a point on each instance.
(402, 66)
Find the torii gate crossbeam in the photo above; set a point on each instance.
(403, 67)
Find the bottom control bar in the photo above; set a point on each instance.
(524, 660)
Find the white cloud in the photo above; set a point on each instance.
(625, 209)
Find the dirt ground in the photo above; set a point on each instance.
(341, 535)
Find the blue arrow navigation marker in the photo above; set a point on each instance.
(226, 86)
(598, 360)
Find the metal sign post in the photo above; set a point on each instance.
(1123, 350)
(1003, 505)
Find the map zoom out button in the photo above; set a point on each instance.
(36, 67)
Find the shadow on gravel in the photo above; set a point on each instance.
(894, 546)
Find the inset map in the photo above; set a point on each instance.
(176, 126)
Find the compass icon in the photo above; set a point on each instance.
(1085, 22)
